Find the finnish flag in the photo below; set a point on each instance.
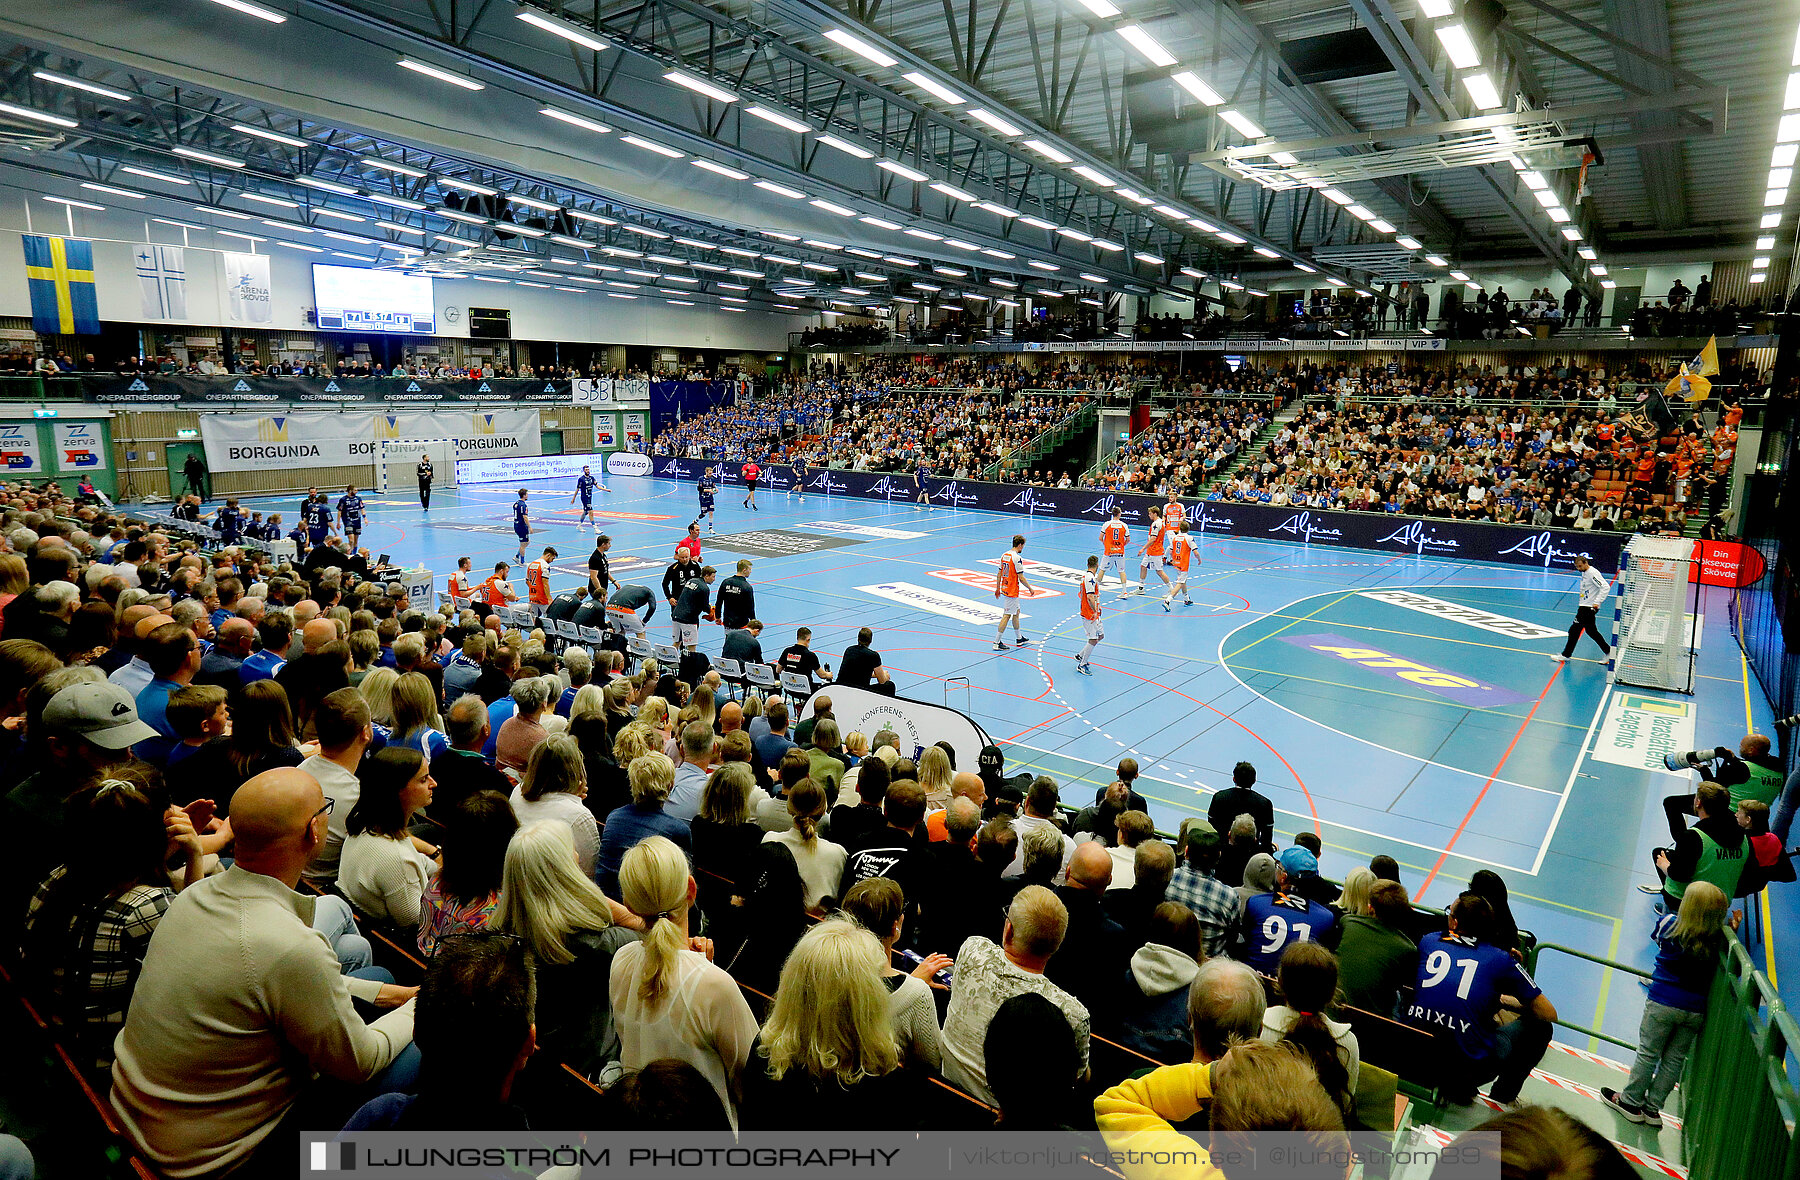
(162, 281)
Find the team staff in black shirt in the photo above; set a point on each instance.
(861, 666)
(736, 603)
(799, 659)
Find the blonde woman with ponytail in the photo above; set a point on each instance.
(668, 998)
(821, 862)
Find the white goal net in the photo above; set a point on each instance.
(1653, 644)
(397, 462)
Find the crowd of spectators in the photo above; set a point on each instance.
(842, 335)
(216, 364)
(1186, 446)
(1450, 456)
(220, 759)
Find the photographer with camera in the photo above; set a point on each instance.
(1751, 773)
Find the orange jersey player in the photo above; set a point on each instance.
(1153, 548)
(1115, 536)
(1008, 581)
(1090, 615)
(1181, 554)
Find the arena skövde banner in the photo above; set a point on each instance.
(265, 442)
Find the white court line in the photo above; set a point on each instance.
(1304, 817)
(1220, 655)
(1569, 786)
(1199, 788)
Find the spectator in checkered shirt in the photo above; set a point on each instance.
(90, 922)
(1214, 903)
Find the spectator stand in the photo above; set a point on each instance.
(1076, 422)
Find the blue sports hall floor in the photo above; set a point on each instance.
(1444, 777)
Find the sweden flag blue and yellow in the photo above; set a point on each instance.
(60, 273)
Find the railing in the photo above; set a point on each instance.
(1742, 1104)
(1531, 964)
(1073, 420)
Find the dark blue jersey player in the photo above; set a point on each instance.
(230, 521)
(521, 522)
(585, 484)
(800, 473)
(318, 520)
(919, 480)
(709, 490)
(350, 517)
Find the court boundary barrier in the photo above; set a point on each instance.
(1742, 1102)
(1379, 531)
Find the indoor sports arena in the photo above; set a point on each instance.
(1222, 604)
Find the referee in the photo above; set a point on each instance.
(1594, 585)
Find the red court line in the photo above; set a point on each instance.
(1298, 781)
(1015, 737)
(1510, 746)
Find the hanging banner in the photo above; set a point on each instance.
(634, 431)
(79, 447)
(162, 281)
(592, 392)
(249, 297)
(19, 448)
(606, 430)
(266, 442)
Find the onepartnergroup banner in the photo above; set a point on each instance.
(1380, 531)
(988, 1155)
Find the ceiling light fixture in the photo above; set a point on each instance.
(206, 157)
(700, 86)
(1482, 91)
(994, 121)
(564, 30)
(1460, 47)
(934, 88)
(1094, 174)
(1242, 123)
(845, 146)
(721, 170)
(879, 223)
(860, 47)
(467, 186)
(1190, 82)
(829, 207)
(638, 141)
(146, 173)
(255, 10)
(1139, 39)
(431, 71)
(109, 189)
(780, 190)
(585, 124)
(1054, 154)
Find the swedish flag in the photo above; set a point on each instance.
(60, 273)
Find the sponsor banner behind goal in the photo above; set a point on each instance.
(266, 442)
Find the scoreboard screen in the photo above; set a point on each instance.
(359, 299)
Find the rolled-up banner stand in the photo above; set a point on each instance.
(919, 723)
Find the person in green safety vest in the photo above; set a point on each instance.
(1751, 773)
(1714, 849)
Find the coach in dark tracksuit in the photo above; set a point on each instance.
(736, 601)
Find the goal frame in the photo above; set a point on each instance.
(1678, 553)
(389, 450)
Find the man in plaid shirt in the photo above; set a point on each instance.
(1214, 903)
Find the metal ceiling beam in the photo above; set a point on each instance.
(1316, 110)
(1645, 24)
(1422, 82)
(820, 14)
